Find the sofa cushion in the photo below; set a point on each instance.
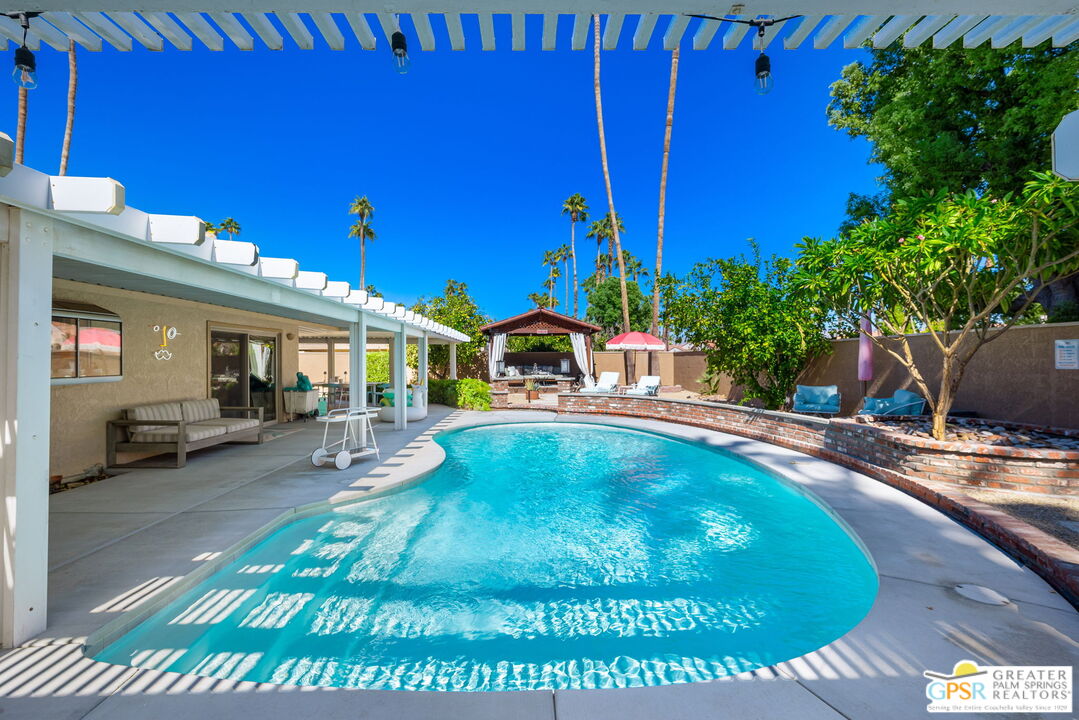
(196, 410)
(230, 424)
(818, 394)
(906, 402)
(157, 411)
(168, 434)
(875, 406)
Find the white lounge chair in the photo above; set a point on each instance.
(647, 385)
(607, 383)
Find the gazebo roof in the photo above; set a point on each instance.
(540, 321)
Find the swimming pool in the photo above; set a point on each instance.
(539, 555)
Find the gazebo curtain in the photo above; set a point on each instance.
(580, 354)
(496, 350)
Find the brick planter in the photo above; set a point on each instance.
(499, 399)
(930, 470)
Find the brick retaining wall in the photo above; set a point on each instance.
(930, 470)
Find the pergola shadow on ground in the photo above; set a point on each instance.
(124, 540)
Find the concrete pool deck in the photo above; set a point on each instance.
(116, 543)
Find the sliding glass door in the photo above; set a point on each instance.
(243, 370)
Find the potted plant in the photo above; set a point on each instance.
(531, 393)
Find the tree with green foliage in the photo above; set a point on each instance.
(605, 306)
(457, 309)
(542, 300)
(947, 265)
(754, 324)
(577, 208)
(954, 120)
(602, 232)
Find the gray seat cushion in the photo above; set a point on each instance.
(231, 424)
(168, 434)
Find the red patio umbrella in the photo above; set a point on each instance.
(637, 341)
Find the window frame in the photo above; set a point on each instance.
(75, 316)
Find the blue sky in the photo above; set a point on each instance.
(467, 159)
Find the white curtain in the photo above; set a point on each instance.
(496, 350)
(581, 355)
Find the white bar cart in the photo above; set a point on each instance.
(357, 437)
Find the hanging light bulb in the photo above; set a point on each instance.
(25, 73)
(763, 82)
(400, 52)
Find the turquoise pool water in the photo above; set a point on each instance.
(546, 555)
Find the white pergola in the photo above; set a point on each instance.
(80, 228)
(351, 24)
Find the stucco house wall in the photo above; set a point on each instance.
(79, 411)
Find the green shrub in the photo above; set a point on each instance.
(378, 366)
(465, 393)
(1066, 311)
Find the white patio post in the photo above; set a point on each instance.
(25, 336)
(400, 379)
(330, 360)
(357, 363)
(422, 374)
(453, 361)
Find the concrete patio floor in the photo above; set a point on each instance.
(116, 543)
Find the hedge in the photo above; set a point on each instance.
(465, 393)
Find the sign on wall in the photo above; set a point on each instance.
(1067, 354)
(168, 332)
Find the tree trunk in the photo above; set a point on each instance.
(950, 377)
(363, 262)
(573, 254)
(610, 192)
(20, 128)
(663, 190)
(72, 85)
(565, 267)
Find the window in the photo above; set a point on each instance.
(87, 344)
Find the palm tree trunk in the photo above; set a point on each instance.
(565, 267)
(629, 357)
(363, 264)
(72, 86)
(20, 128)
(573, 253)
(607, 182)
(663, 191)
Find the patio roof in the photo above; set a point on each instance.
(173, 255)
(540, 321)
(341, 24)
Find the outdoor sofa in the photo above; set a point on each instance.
(817, 399)
(903, 402)
(178, 428)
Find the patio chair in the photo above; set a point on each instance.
(647, 385)
(903, 402)
(817, 399)
(607, 383)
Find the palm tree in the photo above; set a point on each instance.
(551, 258)
(361, 229)
(577, 209)
(601, 230)
(72, 85)
(634, 267)
(211, 228)
(663, 188)
(230, 226)
(610, 195)
(541, 300)
(564, 252)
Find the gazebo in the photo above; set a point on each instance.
(572, 367)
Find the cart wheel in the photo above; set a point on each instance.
(342, 459)
(318, 457)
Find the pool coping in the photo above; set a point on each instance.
(595, 702)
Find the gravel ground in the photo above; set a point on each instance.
(1045, 513)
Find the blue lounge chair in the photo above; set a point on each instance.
(817, 399)
(904, 402)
